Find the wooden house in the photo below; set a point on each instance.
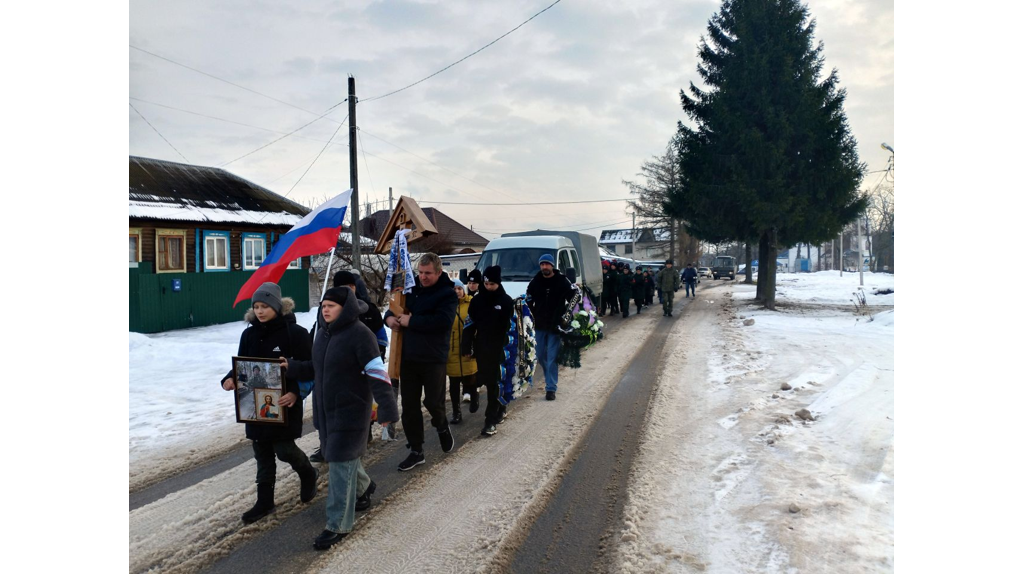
(195, 235)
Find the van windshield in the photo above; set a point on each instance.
(723, 262)
(519, 264)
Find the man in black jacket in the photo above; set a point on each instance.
(547, 296)
(426, 326)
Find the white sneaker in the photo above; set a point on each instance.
(465, 397)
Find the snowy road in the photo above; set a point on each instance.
(721, 459)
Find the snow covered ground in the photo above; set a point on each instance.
(177, 412)
(730, 478)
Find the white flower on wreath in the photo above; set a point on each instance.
(599, 325)
(575, 324)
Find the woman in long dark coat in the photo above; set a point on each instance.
(348, 376)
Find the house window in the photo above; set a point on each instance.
(629, 249)
(254, 249)
(297, 264)
(170, 251)
(215, 249)
(134, 246)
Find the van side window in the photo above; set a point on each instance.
(576, 262)
(563, 260)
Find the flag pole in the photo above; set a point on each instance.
(327, 275)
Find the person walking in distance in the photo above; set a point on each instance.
(690, 278)
(348, 376)
(426, 328)
(462, 370)
(638, 288)
(490, 314)
(668, 282)
(548, 295)
(608, 288)
(624, 289)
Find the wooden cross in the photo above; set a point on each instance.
(407, 215)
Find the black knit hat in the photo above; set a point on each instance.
(493, 274)
(670, 262)
(343, 278)
(475, 277)
(338, 295)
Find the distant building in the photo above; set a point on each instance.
(452, 237)
(195, 235)
(651, 244)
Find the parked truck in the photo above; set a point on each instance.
(576, 256)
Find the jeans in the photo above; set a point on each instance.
(346, 480)
(428, 378)
(691, 287)
(286, 450)
(548, 345)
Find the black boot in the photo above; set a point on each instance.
(307, 480)
(264, 503)
(474, 402)
(456, 417)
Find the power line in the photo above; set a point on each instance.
(158, 133)
(268, 144)
(229, 82)
(527, 203)
(495, 41)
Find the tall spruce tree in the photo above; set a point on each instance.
(770, 157)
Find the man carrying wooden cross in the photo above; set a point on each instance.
(426, 326)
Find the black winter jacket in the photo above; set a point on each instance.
(279, 337)
(690, 275)
(548, 298)
(426, 339)
(486, 337)
(343, 392)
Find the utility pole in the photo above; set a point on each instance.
(353, 175)
(391, 204)
(841, 253)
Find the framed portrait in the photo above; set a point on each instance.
(259, 384)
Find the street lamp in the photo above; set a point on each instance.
(886, 146)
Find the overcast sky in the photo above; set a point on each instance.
(564, 108)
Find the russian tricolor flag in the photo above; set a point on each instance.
(314, 234)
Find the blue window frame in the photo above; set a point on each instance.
(254, 250)
(216, 251)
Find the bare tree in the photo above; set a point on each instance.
(882, 215)
(661, 174)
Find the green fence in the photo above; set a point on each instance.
(201, 298)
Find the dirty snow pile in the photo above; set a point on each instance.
(770, 446)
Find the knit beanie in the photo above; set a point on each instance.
(546, 258)
(343, 278)
(338, 295)
(475, 277)
(270, 294)
(493, 274)
(459, 283)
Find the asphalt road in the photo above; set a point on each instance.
(572, 533)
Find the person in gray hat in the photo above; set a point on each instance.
(273, 333)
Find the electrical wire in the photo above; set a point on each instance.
(158, 133)
(218, 78)
(527, 203)
(268, 144)
(495, 41)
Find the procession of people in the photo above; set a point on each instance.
(456, 343)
